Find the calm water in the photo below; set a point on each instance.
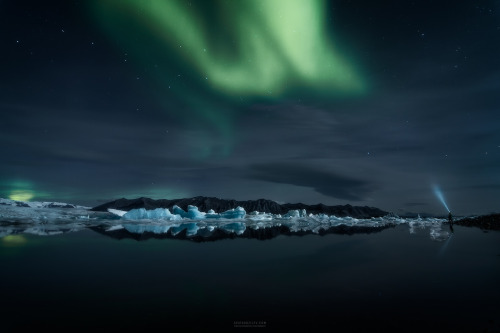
(388, 281)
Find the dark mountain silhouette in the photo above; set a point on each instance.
(261, 205)
(485, 222)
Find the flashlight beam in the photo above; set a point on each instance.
(439, 195)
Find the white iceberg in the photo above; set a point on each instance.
(117, 212)
(235, 213)
(296, 213)
(155, 214)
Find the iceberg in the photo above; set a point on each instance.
(117, 212)
(155, 214)
(295, 213)
(49, 218)
(211, 214)
(235, 213)
(258, 216)
(193, 213)
(179, 211)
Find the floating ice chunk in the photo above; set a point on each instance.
(292, 214)
(211, 214)
(257, 216)
(235, 213)
(194, 214)
(40, 231)
(136, 214)
(117, 211)
(296, 213)
(179, 211)
(155, 214)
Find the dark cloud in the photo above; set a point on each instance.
(327, 183)
(415, 204)
(79, 115)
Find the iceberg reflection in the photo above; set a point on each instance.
(197, 225)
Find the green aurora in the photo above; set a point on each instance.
(260, 47)
(230, 53)
(214, 58)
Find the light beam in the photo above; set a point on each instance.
(439, 195)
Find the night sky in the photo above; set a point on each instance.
(339, 102)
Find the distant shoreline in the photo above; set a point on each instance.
(484, 222)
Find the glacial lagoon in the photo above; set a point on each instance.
(409, 276)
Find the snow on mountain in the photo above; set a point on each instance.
(39, 204)
(12, 211)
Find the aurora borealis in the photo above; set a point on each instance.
(267, 47)
(314, 101)
(259, 49)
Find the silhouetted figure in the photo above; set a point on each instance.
(450, 220)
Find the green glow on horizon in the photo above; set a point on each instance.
(18, 190)
(277, 44)
(14, 240)
(21, 195)
(21, 190)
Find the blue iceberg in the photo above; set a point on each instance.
(192, 213)
(155, 214)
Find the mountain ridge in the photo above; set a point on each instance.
(261, 205)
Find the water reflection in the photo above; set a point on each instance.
(14, 240)
(199, 226)
(207, 230)
(377, 282)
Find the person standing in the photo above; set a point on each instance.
(450, 220)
